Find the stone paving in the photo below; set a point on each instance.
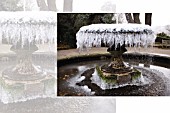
(61, 54)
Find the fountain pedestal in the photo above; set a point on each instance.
(25, 70)
(116, 71)
(25, 80)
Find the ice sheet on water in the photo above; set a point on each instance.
(132, 34)
(28, 26)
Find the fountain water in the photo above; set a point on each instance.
(116, 37)
(23, 30)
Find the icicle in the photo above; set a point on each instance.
(28, 26)
(132, 34)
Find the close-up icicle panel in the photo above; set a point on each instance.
(24, 27)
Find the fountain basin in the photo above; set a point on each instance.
(14, 89)
(156, 79)
(121, 78)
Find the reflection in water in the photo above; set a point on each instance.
(26, 74)
(14, 90)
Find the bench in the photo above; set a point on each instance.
(165, 43)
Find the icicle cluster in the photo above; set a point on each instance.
(109, 34)
(25, 27)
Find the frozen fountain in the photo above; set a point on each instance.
(23, 30)
(116, 73)
(115, 37)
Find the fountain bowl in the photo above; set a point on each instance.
(75, 76)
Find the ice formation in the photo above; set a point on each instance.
(28, 26)
(132, 34)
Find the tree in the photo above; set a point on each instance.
(119, 18)
(148, 17)
(50, 6)
(69, 23)
(129, 18)
(68, 6)
(136, 18)
(42, 5)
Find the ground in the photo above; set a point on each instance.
(62, 54)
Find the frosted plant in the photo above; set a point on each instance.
(120, 17)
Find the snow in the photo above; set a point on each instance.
(33, 17)
(81, 78)
(120, 18)
(160, 29)
(132, 34)
(38, 26)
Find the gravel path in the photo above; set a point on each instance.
(103, 50)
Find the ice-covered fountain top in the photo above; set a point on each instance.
(131, 34)
(39, 27)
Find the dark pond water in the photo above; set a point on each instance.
(155, 77)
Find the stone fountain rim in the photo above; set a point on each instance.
(91, 57)
(116, 28)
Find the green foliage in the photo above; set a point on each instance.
(163, 35)
(66, 30)
(69, 24)
(107, 18)
(111, 79)
(81, 20)
(136, 75)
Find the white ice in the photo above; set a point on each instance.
(93, 35)
(38, 26)
(81, 78)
